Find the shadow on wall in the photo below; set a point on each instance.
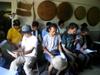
(95, 35)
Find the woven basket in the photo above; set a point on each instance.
(80, 13)
(65, 11)
(93, 16)
(24, 6)
(47, 10)
(23, 12)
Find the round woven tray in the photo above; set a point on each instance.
(65, 11)
(47, 10)
(80, 13)
(93, 16)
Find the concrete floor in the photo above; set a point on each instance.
(94, 71)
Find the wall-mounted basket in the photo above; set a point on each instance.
(47, 10)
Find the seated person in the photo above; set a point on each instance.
(14, 36)
(35, 30)
(27, 53)
(2, 59)
(45, 30)
(85, 43)
(2, 35)
(61, 28)
(85, 39)
(69, 44)
(52, 45)
(68, 38)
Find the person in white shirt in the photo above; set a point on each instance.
(27, 53)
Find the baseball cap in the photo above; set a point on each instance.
(26, 29)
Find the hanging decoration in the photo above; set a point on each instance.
(47, 10)
(93, 16)
(23, 9)
(65, 11)
(80, 12)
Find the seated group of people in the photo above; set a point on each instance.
(61, 46)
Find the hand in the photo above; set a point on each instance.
(0, 54)
(74, 55)
(18, 53)
(52, 56)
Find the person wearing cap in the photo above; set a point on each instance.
(14, 36)
(27, 53)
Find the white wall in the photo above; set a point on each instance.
(86, 3)
(5, 0)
